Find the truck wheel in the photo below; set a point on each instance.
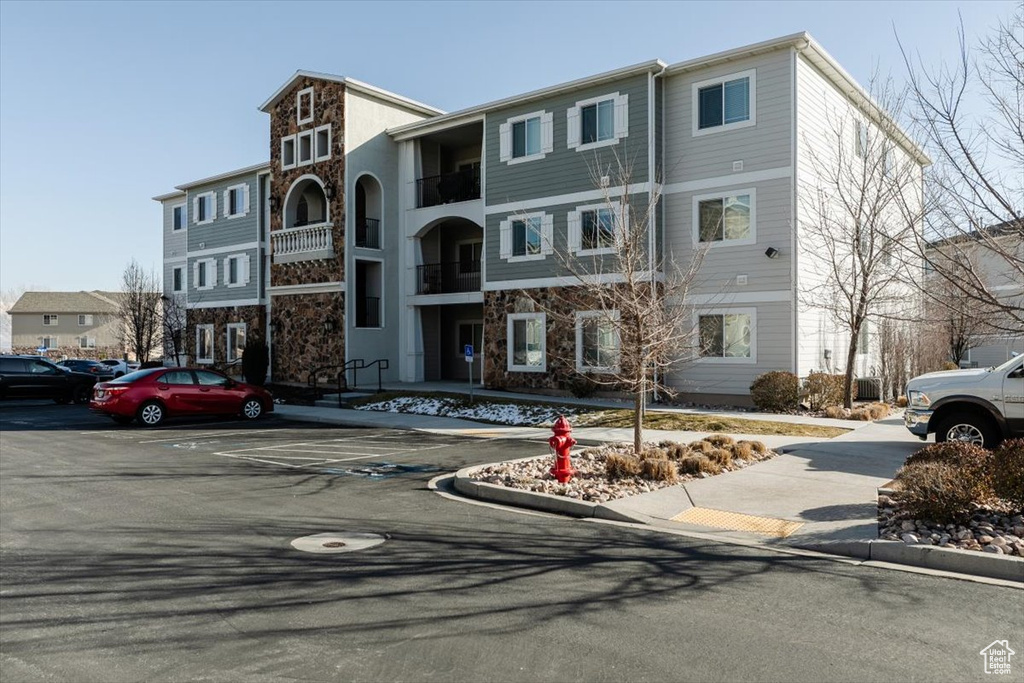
(968, 428)
(82, 393)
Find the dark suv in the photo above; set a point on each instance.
(32, 378)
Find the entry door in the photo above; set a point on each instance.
(472, 332)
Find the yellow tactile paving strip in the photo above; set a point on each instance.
(734, 521)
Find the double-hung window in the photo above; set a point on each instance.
(236, 201)
(205, 273)
(597, 341)
(178, 217)
(527, 343)
(526, 237)
(725, 103)
(50, 319)
(204, 343)
(597, 121)
(84, 319)
(87, 342)
(727, 335)
(236, 270)
(176, 277)
(727, 219)
(204, 208)
(592, 228)
(526, 137)
(236, 341)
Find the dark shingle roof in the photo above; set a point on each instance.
(66, 302)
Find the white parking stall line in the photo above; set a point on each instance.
(200, 436)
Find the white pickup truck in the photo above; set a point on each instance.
(981, 406)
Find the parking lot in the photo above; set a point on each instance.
(133, 554)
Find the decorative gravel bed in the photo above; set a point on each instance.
(483, 410)
(591, 483)
(989, 530)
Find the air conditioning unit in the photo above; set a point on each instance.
(869, 388)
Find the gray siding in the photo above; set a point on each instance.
(223, 232)
(565, 170)
(221, 291)
(499, 269)
(765, 145)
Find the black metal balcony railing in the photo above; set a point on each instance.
(447, 188)
(368, 311)
(445, 278)
(368, 233)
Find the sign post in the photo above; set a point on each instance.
(469, 359)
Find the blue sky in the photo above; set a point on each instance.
(105, 105)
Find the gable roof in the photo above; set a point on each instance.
(372, 90)
(66, 302)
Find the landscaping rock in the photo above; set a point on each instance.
(910, 539)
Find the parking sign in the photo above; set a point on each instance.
(469, 353)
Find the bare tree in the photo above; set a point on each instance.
(8, 298)
(138, 311)
(627, 301)
(863, 203)
(174, 323)
(975, 236)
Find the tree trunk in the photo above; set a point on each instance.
(638, 422)
(851, 357)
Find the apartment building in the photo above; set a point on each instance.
(398, 232)
(66, 324)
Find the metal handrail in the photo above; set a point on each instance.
(447, 188)
(444, 278)
(354, 365)
(368, 233)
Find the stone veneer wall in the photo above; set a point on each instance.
(252, 316)
(328, 107)
(300, 343)
(560, 341)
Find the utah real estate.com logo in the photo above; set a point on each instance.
(997, 657)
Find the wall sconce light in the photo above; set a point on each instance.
(771, 252)
(273, 202)
(828, 354)
(328, 326)
(329, 191)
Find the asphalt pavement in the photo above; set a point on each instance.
(164, 555)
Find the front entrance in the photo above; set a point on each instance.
(447, 330)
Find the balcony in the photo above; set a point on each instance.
(307, 243)
(368, 311)
(448, 278)
(368, 233)
(448, 188)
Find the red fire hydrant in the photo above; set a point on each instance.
(562, 442)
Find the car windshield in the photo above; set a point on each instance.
(135, 376)
(1007, 365)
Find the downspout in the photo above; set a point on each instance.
(652, 224)
(794, 237)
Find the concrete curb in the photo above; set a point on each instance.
(532, 500)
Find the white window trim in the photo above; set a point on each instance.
(181, 270)
(576, 228)
(752, 312)
(295, 152)
(228, 351)
(506, 238)
(211, 274)
(244, 187)
(721, 194)
(330, 142)
(510, 342)
(211, 215)
(53, 317)
(613, 317)
(45, 342)
(695, 103)
(298, 106)
(184, 217)
(87, 342)
(298, 148)
(213, 351)
(546, 137)
(243, 270)
(620, 123)
(88, 320)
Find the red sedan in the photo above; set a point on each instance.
(154, 394)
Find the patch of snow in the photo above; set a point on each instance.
(481, 410)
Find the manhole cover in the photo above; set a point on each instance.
(337, 542)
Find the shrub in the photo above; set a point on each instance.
(742, 450)
(901, 401)
(255, 362)
(659, 470)
(701, 447)
(878, 411)
(653, 453)
(822, 390)
(837, 413)
(862, 414)
(621, 466)
(756, 446)
(677, 452)
(776, 391)
(720, 440)
(582, 386)
(950, 365)
(938, 491)
(1008, 472)
(954, 453)
(695, 464)
(721, 457)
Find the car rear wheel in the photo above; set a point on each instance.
(968, 428)
(82, 393)
(122, 419)
(150, 414)
(252, 408)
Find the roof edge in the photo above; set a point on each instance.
(406, 130)
(381, 93)
(221, 176)
(169, 195)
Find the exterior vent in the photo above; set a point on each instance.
(741, 279)
(869, 388)
(737, 166)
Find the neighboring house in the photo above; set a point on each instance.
(66, 324)
(993, 258)
(401, 233)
